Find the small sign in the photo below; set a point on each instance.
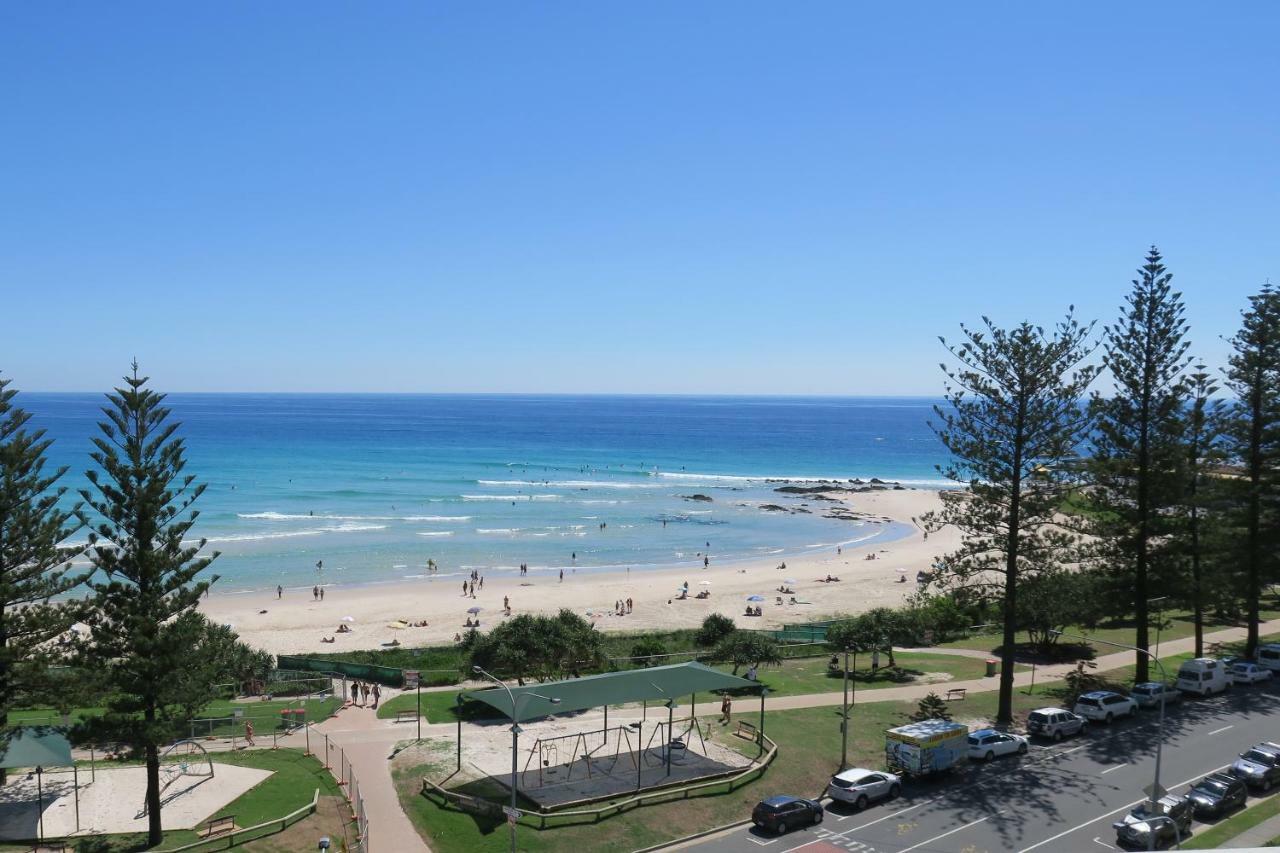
(1154, 791)
(512, 814)
(512, 819)
(410, 679)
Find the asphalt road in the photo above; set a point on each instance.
(1060, 797)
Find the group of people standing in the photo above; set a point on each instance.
(469, 587)
(361, 691)
(622, 607)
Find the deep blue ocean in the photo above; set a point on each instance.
(375, 485)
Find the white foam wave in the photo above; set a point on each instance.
(497, 530)
(315, 531)
(511, 497)
(433, 533)
(571, 484)
(285, 516)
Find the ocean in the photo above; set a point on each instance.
(372, 486)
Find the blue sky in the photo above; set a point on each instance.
(579, 197)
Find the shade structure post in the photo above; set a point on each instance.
(760, 728)
(40, 801)
(671, 710)
(419, 706)
(606, 723)
(75, 775)
(459, 716)
(515, 740)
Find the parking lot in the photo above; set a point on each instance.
(1058, 797)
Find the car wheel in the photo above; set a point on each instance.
(1266, 784)
(782, 827)
(894, 791)
(990, 756)
(1022, 749)
(817, 818)
(1108, 718)
(1057, 735)
(861, 802)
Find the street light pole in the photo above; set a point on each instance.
(844, 717)
(515, 743)
(1159, 602)
(1164, 680)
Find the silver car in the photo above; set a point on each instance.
(1149, 693)
(859, 786)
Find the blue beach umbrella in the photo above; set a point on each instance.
(755, 598)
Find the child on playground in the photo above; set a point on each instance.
(248, 733)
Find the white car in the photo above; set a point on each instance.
(859, 786)
(1105, 706)
(986, 744)
(1149, 693)
(1247, 673)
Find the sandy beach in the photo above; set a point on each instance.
(295, 623)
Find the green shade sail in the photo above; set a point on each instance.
(35, 746)
(610, 688)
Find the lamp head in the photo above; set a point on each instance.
(554, 700)
(476, 670)
(323, 843)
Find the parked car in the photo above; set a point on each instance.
(859, 787)
(1149, 693)
(1269, 656)
(1202, 676)
(1169, 821)
(778, 814)
(1259, 766)
(986, 744)
(1248, 673)
(1217, 794)
(1105, 706)
(1055, 723)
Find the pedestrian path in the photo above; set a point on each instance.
(1256, 836)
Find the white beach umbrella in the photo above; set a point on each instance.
(790, 580)
(474, 609)
(704, 583)
(348, 618)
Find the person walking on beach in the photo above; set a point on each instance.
(279, 591)
(706, 561)
(377, 694)
(464, 589)
(315, 593)
(355, 691)
(562, 576)
(482, 581)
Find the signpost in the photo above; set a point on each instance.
(412, 680)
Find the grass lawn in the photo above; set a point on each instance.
(437, 707)
(1213, 837)
(810, 675)
(218, 718)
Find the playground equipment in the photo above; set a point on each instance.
(184, 758)
(555, 760)
(678, 744)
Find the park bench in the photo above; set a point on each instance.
(219, 825)
(956, 693)
(747, 731)
(406, 716)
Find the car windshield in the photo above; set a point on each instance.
(1211, 787)
(973, 741)
(1258, 757)
(1144, 689)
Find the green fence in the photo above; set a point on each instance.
(389, 676)
(807, 632)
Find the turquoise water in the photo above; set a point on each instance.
(373, 486)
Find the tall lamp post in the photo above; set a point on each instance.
(1164, 679)
(844, 709)
(1159, 602)
(515, 742)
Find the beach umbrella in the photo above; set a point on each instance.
(790, 580)
(474, 609)
(704, 583)
(348, 618)
(902, 571)
(755, 598)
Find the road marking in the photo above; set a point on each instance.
(1109, 769)
(865, 825)
(952, 832)
(1221, 730)
(1113, 811)
(1097, 840)
(755, 840)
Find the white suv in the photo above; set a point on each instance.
(1105, 706)
(1055, 723)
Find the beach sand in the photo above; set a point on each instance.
(296, 623)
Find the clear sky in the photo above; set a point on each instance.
(684, 197)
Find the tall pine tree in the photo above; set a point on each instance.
(146, 633)
(34, 564)
(1200, 453)
(1015, 414)
(1138, 454)
(1253, 440)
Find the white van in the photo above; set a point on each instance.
(1269, 656)
(1202, 676)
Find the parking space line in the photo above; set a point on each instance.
(1105, 815)
(1221, 730)
(1109, 769)
(952, 832)
(755, 840)
(1097, 840)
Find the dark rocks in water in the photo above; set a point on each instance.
(876, 481)
(698, 497)
(807, 490)
(776, 508)
(898, 487)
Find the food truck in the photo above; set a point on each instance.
(926, 748)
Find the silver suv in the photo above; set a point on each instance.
(1055, 723)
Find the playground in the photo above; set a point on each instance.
(112, 800)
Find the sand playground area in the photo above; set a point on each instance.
(111, 800)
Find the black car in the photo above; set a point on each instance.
(1217, 794)
(778, 814)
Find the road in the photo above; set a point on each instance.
(1062, 797)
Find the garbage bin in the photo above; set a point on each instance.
(991, 667)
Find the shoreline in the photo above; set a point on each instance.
(295, 624)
